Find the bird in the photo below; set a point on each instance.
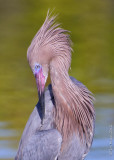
(62, 124)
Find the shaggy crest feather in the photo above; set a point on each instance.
(53, 36)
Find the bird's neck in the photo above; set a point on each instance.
(59, 79)
(63, 114)
(73, 105)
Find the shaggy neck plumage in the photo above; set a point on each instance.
(74, 109)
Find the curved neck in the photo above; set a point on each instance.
(59, 79)
(74, 110)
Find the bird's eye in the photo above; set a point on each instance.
(37, 67)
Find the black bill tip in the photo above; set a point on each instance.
(42, 104)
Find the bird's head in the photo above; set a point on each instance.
(39, 61)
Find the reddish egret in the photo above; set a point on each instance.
(61, 126)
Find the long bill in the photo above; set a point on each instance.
(40, 81)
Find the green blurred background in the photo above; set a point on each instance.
(91, 25)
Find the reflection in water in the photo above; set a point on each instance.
(101, 144)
